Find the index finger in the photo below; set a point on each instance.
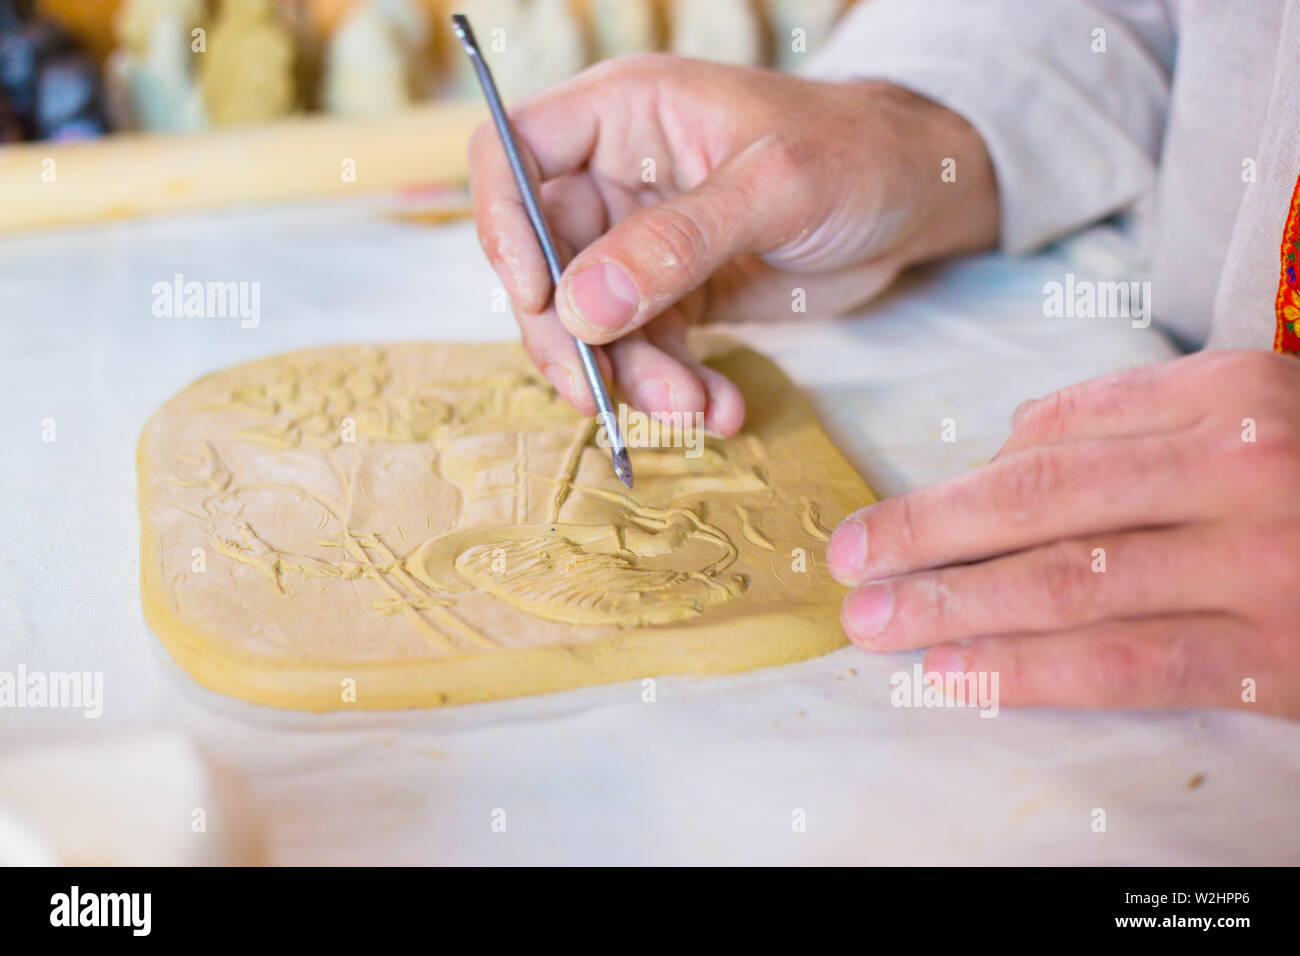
(1031, 497)
(556, 132)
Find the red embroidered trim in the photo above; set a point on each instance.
(1287, 338)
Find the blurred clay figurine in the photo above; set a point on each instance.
(529, 44)
(11, 130)
(247, 73)
(69, 99)
(724, 31)
(621, 26)
(799, 28)
(372, 62)
(151, 74)
(49, 85)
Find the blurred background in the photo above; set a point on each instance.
(205, 103)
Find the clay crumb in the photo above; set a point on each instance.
(852, 672)
(1196, 781)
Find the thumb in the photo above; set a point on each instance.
(650, 260)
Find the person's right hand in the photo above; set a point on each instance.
(693, 190)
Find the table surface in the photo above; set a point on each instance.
(712, 771)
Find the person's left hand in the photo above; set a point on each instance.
(1135, 543)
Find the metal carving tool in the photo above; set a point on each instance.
(617, 447)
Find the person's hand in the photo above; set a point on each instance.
(1135, 543)
(690, 189)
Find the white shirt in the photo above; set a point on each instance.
(1181, 117)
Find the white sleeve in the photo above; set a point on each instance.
(1070, 96)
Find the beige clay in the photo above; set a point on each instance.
(421, 525)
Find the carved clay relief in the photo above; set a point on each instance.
(440, 502)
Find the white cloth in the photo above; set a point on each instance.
(131, 800)
(710, 773)
(1181, 116)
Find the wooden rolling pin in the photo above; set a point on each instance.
(51, 184)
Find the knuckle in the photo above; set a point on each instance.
(1279, 445)
(1052, 414)
(1027, 481)
(1270, 463)
(906, 533)
(1254, 363)
(787, 155)
(1162, 670)
(537, 356)
(1213, 364)
(632, 73)
(1175, 668)
(488, 237)
(1003, 598)
(1255, 372)
(483, 136)
(1067, 583)
(1014, 671)
(784, 168)
(633, 65)
(1120, 668)
(926, 606)
(680, 237)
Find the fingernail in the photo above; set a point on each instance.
(846, 552)
(561, 380)
(866, 611)
(604, 297)
(947, 659)
(655, 397)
